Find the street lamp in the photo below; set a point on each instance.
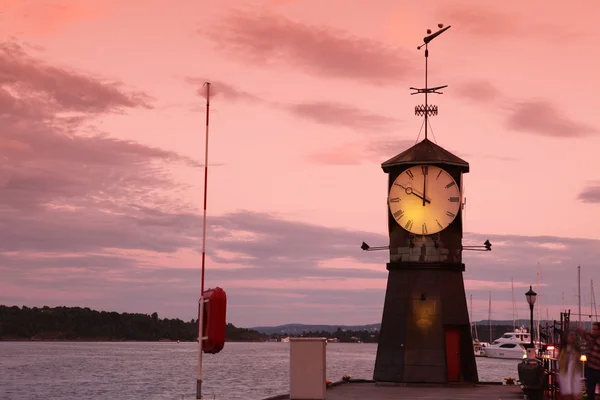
(531, 296)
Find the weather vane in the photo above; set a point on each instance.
(426, 110)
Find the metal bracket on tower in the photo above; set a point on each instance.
(487, 246)
(429, 109)
(366, 247)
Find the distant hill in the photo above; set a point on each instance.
(518, 323)
(296, 329)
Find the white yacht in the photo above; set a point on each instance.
(510, 345)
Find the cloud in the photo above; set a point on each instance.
(328, 113)
(479, 90)
(277, 3)
(61, 231)
(358, 152)
(260, 259)
(50, 16)
(298, 256)
(84, 215)
(264, 39)
(535, 117)
(220, 88)
(590, 194)
(59, 89)
(51, 154)
(544, 119)
(321, 112)
(268, 242)
(479, 21)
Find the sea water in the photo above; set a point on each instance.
(168, 370)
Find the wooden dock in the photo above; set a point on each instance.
(373, 391)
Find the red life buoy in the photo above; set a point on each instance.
(215, 306)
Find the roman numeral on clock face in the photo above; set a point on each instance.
(398, 214)
(448, 186)
(451, 215)
(395, 200)
(424, 228)
(409, 173)
(409, 224)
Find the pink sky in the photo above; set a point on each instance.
(103, 142)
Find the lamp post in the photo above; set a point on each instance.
(531, 296)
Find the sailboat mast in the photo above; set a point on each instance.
(579, 294)
(539, 303)
(512, 284)
(594, 307)
(471, 316)
(490, 315)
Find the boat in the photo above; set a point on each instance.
(511, 345)
(477, 345)
(478, 348)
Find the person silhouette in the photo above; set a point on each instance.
(592, 369)
(569, 368)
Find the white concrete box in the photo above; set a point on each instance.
(307, 368)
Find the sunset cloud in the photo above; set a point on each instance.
(483, 22)
(340, 114)
(52, 16)
(280, 252)
(266, 39)
(354, 153)
(102, 126)
(65, 187)
(540, 117)
(321, 112)
(545, 119)
(479, 90)
(220, 88)
(59, 89)
(590, 194)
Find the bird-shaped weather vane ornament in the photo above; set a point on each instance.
(426, 110)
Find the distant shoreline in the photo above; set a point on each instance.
(114, 340)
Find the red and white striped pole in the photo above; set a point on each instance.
(201, 302)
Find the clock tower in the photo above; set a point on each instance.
(425, 332)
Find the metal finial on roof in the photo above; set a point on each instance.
(426, 110)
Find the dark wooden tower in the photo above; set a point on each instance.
(425, 332)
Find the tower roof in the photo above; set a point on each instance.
(425, 152)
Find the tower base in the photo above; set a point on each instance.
(425, 333)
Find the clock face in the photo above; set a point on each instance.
(424, 199)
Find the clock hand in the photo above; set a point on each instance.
(421, 197)
(410, 190)
(424, 187)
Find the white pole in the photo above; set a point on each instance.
(201, 302)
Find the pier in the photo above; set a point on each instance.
(379, 391)
(308, 382)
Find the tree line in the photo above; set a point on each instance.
(76, 323)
